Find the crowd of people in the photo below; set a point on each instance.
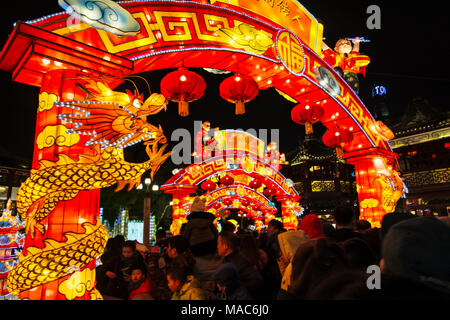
(407, 258)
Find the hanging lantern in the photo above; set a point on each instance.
(218, 214)
(227, 180)
(183, 86)
(227, 202)
(307, 115)
(255, 184)
(226, 212)
(245, 203)
(255, 207)
(216, 205)
(239, 89)
(337, 138)
(269, 192)
(240, 213)
(208, 185)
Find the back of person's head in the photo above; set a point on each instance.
(312, 225)
(344, 216)
(113, 246)
(228, 226)
(328, 229)
(179, 243)
(391, 219)
(130, 244)
(160, 234)
(231, 240)
(120, 240)
(227, 276)
(276, 224)
(248, 246)
(198, 205)
(362, 225)
(418, 249)
(178, 274)
(359, 254)
(314, 260)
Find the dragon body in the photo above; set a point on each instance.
(114, 120)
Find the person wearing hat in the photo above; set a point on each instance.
(200, 230)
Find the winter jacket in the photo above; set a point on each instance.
(147, 286)
(191, 290)
(228, 276)
(200, 228)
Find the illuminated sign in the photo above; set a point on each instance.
(379, 91)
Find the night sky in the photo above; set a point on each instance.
(407, 54)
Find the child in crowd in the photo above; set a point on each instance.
(141, 287)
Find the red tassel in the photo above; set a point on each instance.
(183, 108)
(240, 107)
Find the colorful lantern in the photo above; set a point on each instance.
(227, 202)
(227, 180)
(226, 212)
(255, 207)
(208, 185)
(307, 115)
(245, 203)
(269, 192)
(218, 214)
(239, 89)
(183, 86)
(216, 205)
(255, 184)
(337, 138)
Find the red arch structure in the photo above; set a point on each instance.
(244, 162)
(278, 45)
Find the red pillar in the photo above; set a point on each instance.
(370, 165)
(68, 216)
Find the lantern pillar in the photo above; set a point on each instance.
(179, 195)
(68, 216)
(290, 221)
(371, 197)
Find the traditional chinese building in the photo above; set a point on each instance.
(322, 180)
(423, 144)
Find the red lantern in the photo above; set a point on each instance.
(269, 192)
(226, 180)
(183, 86)
(208, 185)
(218, 214)
(245, 203)
(239, 89)
(336, 138)
(307, 115)
(226, 212)
(255, 207)
(227, 202)
(255, 184)
(216, 205)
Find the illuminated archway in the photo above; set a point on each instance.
(279, 46)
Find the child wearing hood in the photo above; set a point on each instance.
(140, 286)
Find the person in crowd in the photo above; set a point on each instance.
(228, 226)
(108, 274)
(362, 225)
(328, 229)
(313, 261)
(120, 239)
(272, 274)
(415, 259)
(140, 286)
(391, 219)
(228, 248)
(200, 230)
(130, 257)
(184, 286)
(344, 219)
(158, 275)
(289, 242)
(373, 240)
(312, 225)
(249, 249)
(179, 255)
(359, 254)
(228, 284)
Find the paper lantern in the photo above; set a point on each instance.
(307, 115)
(269, 192)
(239, 89)
(226, 180)
(226, 212)
(208, 185)
(227, 202)
(183, 86)
(245, 203)
(218, 214)
(255, 207)
(255, 184)
(216, 205)
(337, 138)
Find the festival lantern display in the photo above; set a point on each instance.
(255, 184)
(208, 185)
(307, 115)
(11, 243)
(336, 138)
(183, 86)
(239, 89)
(227, 180)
